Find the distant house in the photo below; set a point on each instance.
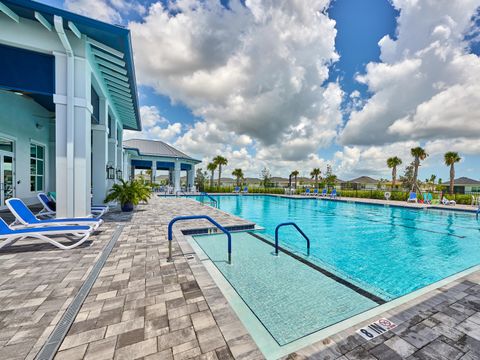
(361, 183)
(464, 185)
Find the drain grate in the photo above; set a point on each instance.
(55, 339)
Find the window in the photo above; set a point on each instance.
(6, 145)
(95, 99)
(37, 167)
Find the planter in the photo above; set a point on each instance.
(127, 207)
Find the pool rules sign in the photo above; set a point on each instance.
(376, 328)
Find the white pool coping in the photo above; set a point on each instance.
(267, 344)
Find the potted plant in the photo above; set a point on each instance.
(129, 193)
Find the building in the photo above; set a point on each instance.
(156, 156)
(464, 185)
(361, 183)
(67, 92)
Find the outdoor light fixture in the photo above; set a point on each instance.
(110, 172)
(119, 174)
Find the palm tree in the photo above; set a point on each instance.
(418, 154)
(238, 173)
(451, 158)
(295, 174)
(315, 174)
(392, 163)
(211, 167)
(219, 161)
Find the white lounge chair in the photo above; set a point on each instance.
(445, 201)
(25, 217)
(10, 236)
(48, 211)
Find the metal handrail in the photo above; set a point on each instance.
(299, 230)
(211, 198)
(196, 217)
(478, 211)
(181, 192)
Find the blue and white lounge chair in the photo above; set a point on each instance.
(412, 197)
(48, 211)
(445, 201)
(25, 217)
(237, 189)
(333, 194)
(307, 191)
(324, 193)
(9, 235)
(245, 190)
(315, 192)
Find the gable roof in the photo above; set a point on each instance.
(364, 180)
(463, 181)
(155, 148)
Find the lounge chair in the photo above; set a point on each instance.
(412, 197)
(48, 211)
(237, 189)
(333, 194)
(9, 235)
(445, 201)
(427, 198)
(315, 192)
(25, 217)
(307, 191)
(245, 190)
(324, 193)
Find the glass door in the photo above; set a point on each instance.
(7, 181)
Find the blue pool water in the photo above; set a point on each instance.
(388, 251)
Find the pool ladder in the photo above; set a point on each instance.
(212, 200)
(298, 229)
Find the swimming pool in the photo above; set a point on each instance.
(361, 256)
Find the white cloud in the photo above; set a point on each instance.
(428, 84)
(111, 11)
(154, 126)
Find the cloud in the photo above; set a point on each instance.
(427, 86)
(110, 11)
(154, 126)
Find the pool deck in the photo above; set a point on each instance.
(142, 306)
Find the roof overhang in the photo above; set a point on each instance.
(110, 46)
(137, 152)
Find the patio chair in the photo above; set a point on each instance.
(245, 190)
(49, 211)
(9, 235)
(445, 201)
(315, 192)
(333, 194)
(25, 217)
(412, 197)
(237, 189)
(307, 191)
(324, 193)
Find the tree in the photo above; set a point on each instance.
(330, 177)
(418, 154)
(200, 178)
(315, 174)
(211, 167)
(451, 158)
(220, 161)
(266, 177)
(295, 174)
(407, 177)
(392, 163)
(238, 173)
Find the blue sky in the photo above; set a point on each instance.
(286, 86)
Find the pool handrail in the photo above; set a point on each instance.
(197, 217)
(296, 227)
(181, 192)
(478, 211)
(211, 198)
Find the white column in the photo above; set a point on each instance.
(119, 147)
(100, 151)
(112, 149)
(176, 176)
(191, 178)
(154, 170)
(126, 168)
(73, 112)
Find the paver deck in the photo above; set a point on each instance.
(142, 306)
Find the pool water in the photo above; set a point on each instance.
(289, 298)
(388, 251)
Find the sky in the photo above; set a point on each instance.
(296, 84)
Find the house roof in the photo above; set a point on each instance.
(155, 148)
(463, 181)
(364, 180)
(117, 54)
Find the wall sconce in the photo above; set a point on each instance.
(119, 174)
(110, 172)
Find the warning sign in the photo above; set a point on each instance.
(376, 328)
